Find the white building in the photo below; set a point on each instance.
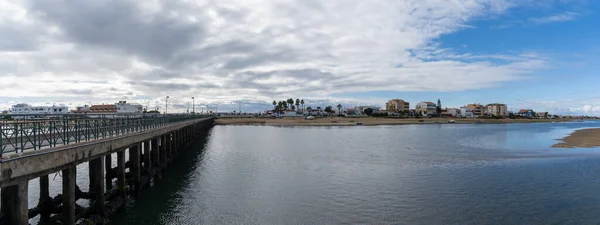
(466, 112)
(34, 111)
(124, 107)
(426, 108)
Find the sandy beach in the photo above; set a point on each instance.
(366, 121)
(587, 138)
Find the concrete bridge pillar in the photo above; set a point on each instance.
(108, 167)
(44, 197)
(147, 163)
(163, 150)
(98, 188)
(169, 146)
(155, 152)
(134, 157)
(121, 170)
(14, 203)
(68, 197)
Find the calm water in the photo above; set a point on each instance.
(413, 174)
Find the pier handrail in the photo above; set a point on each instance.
(34, 131)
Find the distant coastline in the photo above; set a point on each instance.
(367, 121)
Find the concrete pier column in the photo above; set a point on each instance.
(147, 156)
(44, 197)
(68, 186)
(14, 203)
(108, 167)
(163, 150)
(121, 170)
(168, 146)
(98, 188)
(134, 157)
(155, 152)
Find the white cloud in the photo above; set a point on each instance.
(566, 16)
(258, 50)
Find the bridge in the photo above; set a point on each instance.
(36, 147)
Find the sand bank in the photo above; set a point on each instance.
(587, 138)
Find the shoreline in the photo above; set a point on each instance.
(585, 138)
(367, 121)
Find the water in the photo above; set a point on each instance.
(412, 174)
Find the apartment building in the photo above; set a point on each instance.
(496, 109)
(397, 105)
(426, 108)
(477, 109)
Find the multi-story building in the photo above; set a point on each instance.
(124, 107)
(33, 111)
(450, 112)
(477, 109)
(426, 108)
(103, 109)
(466, 112)
(397, 105)
(496, 109)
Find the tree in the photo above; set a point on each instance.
(274, 104)
(293, 107)
(297, 103)
(328, 110)
(290, 102)
(309, 109)
(339, 106)
(319, 109)
(438, 109)
(285, 105)
(302, 102)
(368, 111)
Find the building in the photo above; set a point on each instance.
(542, 114)
(477, 109)
(526, 113)
(426, 108)
(397, 105)
(124, 107)
(496, 109)
(103, 109)
(351, 111)
(34, 111)
(450, 112)
(466, 112)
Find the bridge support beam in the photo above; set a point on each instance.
(108, 168)
(44, 197)
(121, 171)
(68, 198)
(168, 146)
(98, 188)
(147, 163)
(134, 157)
(163, 151)
(155, 152)
(14, 203)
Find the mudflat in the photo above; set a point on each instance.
(586, 138)
(365, 121)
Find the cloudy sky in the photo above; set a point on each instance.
(526, 53)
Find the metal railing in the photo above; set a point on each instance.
(33, 132)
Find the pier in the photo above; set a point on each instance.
(36, 148)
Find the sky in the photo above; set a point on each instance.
(231, 54)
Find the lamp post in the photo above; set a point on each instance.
(166, 104)
(193, 106)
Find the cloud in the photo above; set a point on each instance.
(566, 16)
(257, 50)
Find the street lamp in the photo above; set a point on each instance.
(193, 106)
(166, 104)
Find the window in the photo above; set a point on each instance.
(60, 110)
(54, 110)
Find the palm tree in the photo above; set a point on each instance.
(290, 102)
(297, 103)
(328, 110)
(285, 105)
(302, 102)
(319, 108)
(339, 106)
(309, 109)
(274, 104)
